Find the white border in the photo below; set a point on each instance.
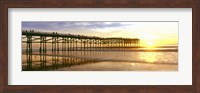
(181, 77)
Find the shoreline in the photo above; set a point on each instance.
(119, 50)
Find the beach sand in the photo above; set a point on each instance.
(121, 66)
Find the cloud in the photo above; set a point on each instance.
(70, 25)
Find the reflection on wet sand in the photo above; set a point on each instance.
(52, 62)
(101, 61)
(149, 57)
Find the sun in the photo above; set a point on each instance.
(150, 44)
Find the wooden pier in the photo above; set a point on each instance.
(66, 43)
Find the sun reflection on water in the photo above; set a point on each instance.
(150, 57)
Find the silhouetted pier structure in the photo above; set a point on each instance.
(67, 43)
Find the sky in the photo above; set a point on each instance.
(149, 33)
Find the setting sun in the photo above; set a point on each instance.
(150, 43)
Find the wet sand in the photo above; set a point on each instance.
(121, 66)
(103, 61)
